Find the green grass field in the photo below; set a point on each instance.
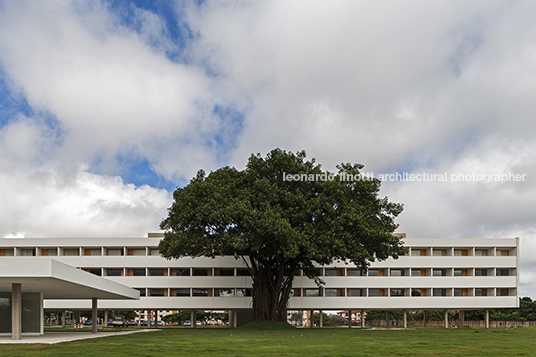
(263, 339)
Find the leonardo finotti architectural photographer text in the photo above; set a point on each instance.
(410, 177)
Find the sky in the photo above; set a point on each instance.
(107, 106)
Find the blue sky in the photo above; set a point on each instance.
(107, 106)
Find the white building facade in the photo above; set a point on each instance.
(449, 274)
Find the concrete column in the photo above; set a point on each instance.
(405, 317)
(230, 312)
(387, 319)
(94, 315)
(350, 318)
(311, 312)
(16, 311)
(105, 318)
(462, 318)
(320, 316)
(486, 317)
(425, 316)
(63, 318)
(362, 318)
(193, 318)
(42, 315)
(446, 313)
(156, 319)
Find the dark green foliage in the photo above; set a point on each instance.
(279, 227)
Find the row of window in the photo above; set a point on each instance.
(29, 252)
(321, 272)
(142, 251)
(331, 292)
(462, 252)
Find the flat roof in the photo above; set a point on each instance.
(58, 280)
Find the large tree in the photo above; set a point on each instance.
(278, 225)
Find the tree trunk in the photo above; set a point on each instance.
(271, 289)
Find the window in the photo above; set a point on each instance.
(355, 292)
(6, 252)
(502, 292)
(376, 272)
(200, 292)
(93, 252)
(354, 272)
(481, 252)
(397, 292)
(440, 252)
(460, 252)
(157, 272)
(502, 272)
(142, 291)
(157, 292)
(96, 271)
(70, 252)
(440, 292)
(418, 252)
(182, 272)
(242, 272)
(460, 272)
(416, 292)
(481, 272)
(114, 251)
(243, 292)
(224, 272)
(416, 272)
(27, 252)
(460, 292)
(376, 292)
(138, 251)
(200, 272)
(311, 292)
(333, 292)
(226, 292)
(49, 252)
(503, 253)
(182, 292)
(154, 252)
(440, 272)
(397, 272)
(114, 272)
(481, 292)
(138, 272)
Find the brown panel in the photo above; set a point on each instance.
(423, 252)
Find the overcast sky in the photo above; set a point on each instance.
(106, 107)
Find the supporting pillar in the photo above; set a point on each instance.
(94, 315)
(362, 318)
(320, 316)
(311, 313)
(387, 319)
(105, 318)
(63, 318)
(405, 317)
(193, 318)
(486, 317)
(230, 313)
(16, 311)
(350, 318)
(462, 318)
(446, 314)
(425, 317)
(155, 318)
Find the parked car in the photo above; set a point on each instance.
(133, 323)
(187, 323)
(119, 321)
(143, 323)
(88, 322)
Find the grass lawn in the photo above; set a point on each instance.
(263, 339)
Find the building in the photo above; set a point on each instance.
(447, 274)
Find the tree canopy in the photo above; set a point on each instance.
(280, 224)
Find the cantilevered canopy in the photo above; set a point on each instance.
(59, 281)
